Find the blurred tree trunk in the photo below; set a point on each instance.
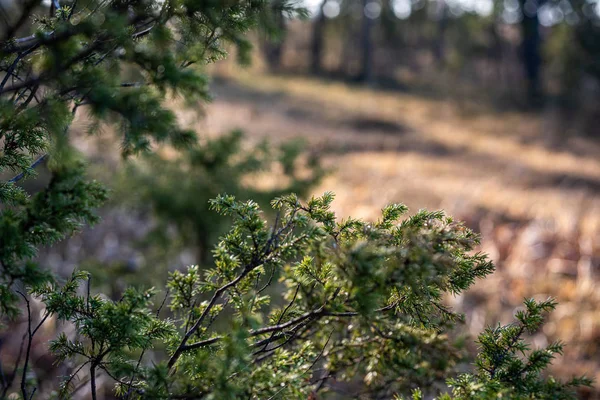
(366, 74)
(273, 47)
(317, 40)
(531, 50)
(348, 55)
(439, 49)
(497, 54)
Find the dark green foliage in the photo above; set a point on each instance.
(118, 60)
(108, 331)
(353, 292)
(361, 301)
(508, 368)
(52, 214)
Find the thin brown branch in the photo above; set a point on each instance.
(204, 314)
(285, 310)
(15, 368)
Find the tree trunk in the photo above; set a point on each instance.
(531, 53)
(273, 48)
(317, 40)
(366, 74)
(439, 49)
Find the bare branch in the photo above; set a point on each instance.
(30, 334)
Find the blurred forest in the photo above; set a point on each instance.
(526, 54)
(488, 109)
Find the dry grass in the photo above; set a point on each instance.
(533, 195)
(500, 162)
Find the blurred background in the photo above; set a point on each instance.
(488, 109)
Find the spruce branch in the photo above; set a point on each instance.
(22, 175)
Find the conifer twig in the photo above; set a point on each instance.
(37, 162)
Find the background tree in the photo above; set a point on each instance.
(178, 189)
(318, 33)
(531, 48)
(370, 11)
(274, 40)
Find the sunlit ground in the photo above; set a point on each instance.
(414, 150)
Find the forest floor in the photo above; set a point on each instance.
(533, 195)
